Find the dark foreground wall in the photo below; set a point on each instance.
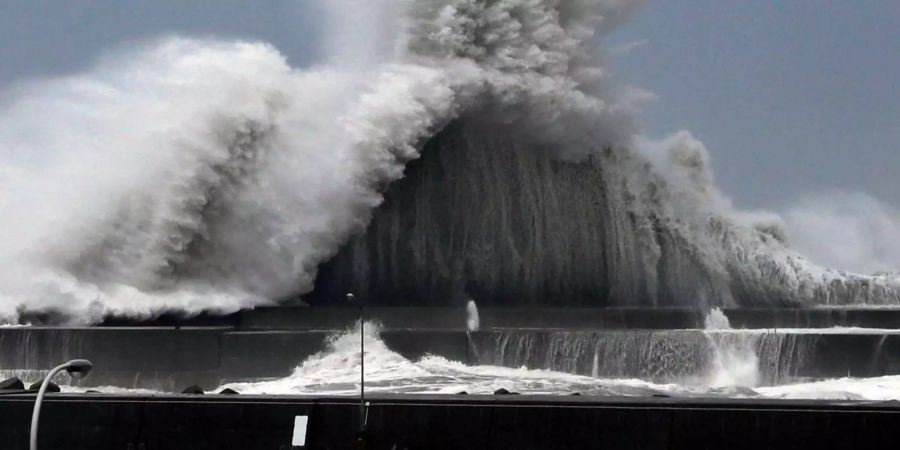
(449, 422)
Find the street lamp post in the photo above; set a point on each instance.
(362, 370)
(77, 369)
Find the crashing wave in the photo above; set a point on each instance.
(195, 174)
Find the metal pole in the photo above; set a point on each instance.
(362, 371)
(362, 364)
(35, 415)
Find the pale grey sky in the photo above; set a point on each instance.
(51, 37)
(790, 97)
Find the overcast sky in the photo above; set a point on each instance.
(790, 97)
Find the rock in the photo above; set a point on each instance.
(12, 384)
(36, 386)
(193, 389)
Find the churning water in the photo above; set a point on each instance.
(336, 371)
(202, 174)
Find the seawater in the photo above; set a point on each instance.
(335, 371)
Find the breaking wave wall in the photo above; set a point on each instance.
(491, 214)
(188, 175)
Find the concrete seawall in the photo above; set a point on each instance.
(100, 422)
(301, 317)
(667, 355)
(169, 359)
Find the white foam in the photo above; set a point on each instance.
(877, 388)
(716, 320)
(472, 320)
(828, 330)
(735, 362)
(199, 174)
(336, 371)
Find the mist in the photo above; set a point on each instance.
(851, 231)
(205, 174)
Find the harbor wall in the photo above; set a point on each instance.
(169, 359)
(334, 317)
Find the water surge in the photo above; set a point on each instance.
(335, 371)
(480, 151)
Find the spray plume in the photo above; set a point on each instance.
(190, 175)
(197, 174)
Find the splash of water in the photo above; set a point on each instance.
(335, 371)
(195, 174)
(190, 175)
(198, 175)
(472, 320)
(716, 320)
(734, 362)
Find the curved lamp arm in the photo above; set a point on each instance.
(77, 368)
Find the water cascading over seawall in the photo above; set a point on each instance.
(485, 213)
(488, 213)
(665, 356)
(485, 156)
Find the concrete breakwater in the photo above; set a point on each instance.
(301, 317)
(100, 422)
(169, 359)
(667, 356)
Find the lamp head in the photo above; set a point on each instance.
(350, 297)
(79, 368)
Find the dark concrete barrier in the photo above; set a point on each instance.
(331, 318)
(668, 355)
(169, 359)
(126, 349)
(300, 317)
(155, 358)
(268, 354)
(852, 355)
(335, 317)
(414, 344)
(592, 318)
(813, 318)
(102, 422)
